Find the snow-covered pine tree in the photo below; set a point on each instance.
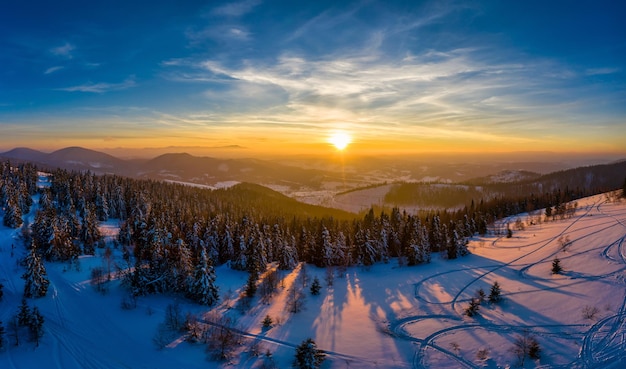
(89, 231)
(35, 325)
(36, 282)
(12, 214)
(287, 258)
(308, 356)
(437, 236)
(240, 261)
(340, 250)
(202, 287)
(227, 249)
(452, 242)
(424, 246)
(327, 249)
(101, 205)
(412, 240)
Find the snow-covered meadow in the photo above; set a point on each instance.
(386, 316)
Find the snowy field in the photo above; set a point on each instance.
(387, 316)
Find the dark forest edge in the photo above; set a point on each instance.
(173, 235)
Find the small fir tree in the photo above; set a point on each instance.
(267, 322)
(316, 286)
(308, 356)
(534, 350)
(481, 295)
(495, 293)
(556, 266)
(472, 308)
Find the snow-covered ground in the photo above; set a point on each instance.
(387, 316)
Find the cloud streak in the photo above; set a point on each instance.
(52, 70)
(236, 9)
(64, 51)
(101, 87)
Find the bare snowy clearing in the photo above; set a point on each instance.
(385, 316)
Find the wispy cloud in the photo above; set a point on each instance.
(224, 32)
(601, 71)
(443, 94)
(236, 9)
(64, 51)
(102, 87)
(53, 69)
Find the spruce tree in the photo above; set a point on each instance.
(35, 324)
(267, 322)
(472, 308)
(13, 215)
(556, 266)
(23, 314)
(287, 256)
(308, 356)
(36, 282)
(495, 294)
(316, 286)
(202, 287)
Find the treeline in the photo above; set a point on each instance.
(173, 235)
(588, 180)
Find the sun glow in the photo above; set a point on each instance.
(340, 140)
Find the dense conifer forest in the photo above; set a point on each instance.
(173, 235)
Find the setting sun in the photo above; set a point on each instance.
(340, 140)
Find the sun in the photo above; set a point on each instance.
(340, 140)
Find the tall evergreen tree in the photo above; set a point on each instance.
(202, 287)
(89, 231)
(288, 258)
(13, 214)
(36, 282)
(23, 313)
(35, 325)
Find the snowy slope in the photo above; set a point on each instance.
(387, 316)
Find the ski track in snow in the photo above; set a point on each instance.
(604, 343)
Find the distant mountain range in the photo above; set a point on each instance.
(318, 181)
(180, 167)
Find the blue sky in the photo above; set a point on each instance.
(271, 75)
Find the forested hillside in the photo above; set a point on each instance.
(582, 181)
(165, 229)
